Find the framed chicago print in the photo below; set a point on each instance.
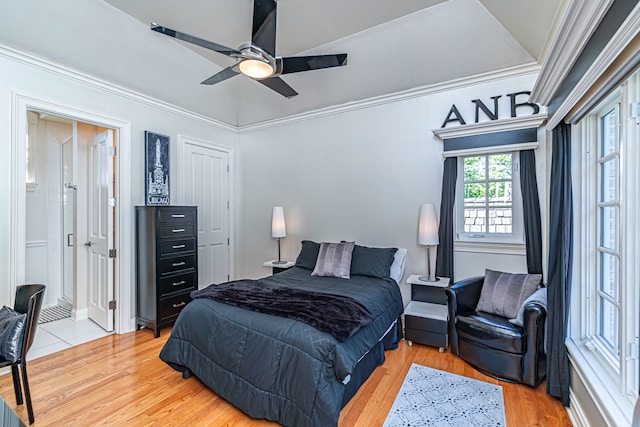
(156, 160)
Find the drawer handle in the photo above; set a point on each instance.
(179, 246)
(182, 282)
(178, 230)
(178, 264)
(179, 305)
(177, 215)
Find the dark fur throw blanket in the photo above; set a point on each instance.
(338, 315)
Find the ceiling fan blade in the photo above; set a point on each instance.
(225, 74)
(195, 40)
(296, 64)
(264, 25)
(279, 85)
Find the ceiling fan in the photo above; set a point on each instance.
(257, 59)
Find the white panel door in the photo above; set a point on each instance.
(206, 185)
(100, 234)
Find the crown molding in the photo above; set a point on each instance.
(580, 20)
(522, 70)
(620, 40)
(36, 62)
(492, 126)
(106, 86)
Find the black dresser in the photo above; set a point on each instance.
(167, 263)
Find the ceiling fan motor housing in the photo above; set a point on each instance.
(256, 62)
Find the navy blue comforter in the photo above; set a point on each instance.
(278, 368)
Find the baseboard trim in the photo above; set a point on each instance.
(80, 314)
(576, 412)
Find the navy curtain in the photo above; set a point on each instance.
(560, 263)
(444, 261)
(531, 210)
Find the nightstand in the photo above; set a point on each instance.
(278, 268)
(426, 317)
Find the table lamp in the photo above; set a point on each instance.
(428, 235)
(278, 228)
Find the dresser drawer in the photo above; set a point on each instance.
(426, 338)
(170, 307)
(179, 282)
(177, 231)
(430, 294)
(177, 215)
(425, 324)
(175, 247)
(176, 264)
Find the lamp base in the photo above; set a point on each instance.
(280, 261)
(429, 278)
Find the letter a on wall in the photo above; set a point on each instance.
(458, 117)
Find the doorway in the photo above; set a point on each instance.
(70, 214)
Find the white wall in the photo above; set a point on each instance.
(28, 78)
(359, 175)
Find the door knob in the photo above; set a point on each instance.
(88, 243)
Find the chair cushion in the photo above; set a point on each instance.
(503, 293)
(11, 333)
(491, 331)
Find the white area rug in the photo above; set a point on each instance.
(429, 397)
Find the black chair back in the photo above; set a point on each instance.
(29, 300)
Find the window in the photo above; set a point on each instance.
(608, 228)
(488, 194)
(488, 200)
(605, 322)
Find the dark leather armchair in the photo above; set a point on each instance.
(491, 343)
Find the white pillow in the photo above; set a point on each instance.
(397, 267)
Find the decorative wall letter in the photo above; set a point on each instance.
(457, 118)
(515, 105)
(480, 106)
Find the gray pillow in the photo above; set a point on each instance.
(308, 255)
(11, 333)
(334, 260)
(539, 297)
(503, 293)
(373, 262)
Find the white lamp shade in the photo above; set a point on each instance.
(428, 225)
(278, 228)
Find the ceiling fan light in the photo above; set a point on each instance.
(255, 68)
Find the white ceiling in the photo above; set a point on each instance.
(393, 46)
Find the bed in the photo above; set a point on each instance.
(283, 369)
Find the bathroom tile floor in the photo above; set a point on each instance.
(62, 334)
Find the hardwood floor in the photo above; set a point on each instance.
(119, 380)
